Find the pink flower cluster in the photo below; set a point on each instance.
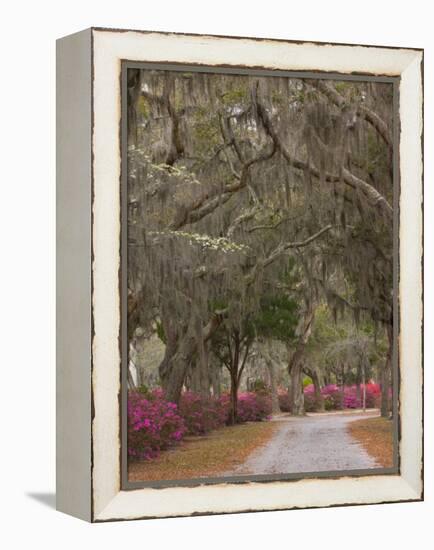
(334, 399)
(253, 406)
(351, 398)
(153, 425)
(284, 400)
(202, 414)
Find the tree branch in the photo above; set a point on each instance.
(176, 148)
(217, 196)
(245, 216)
(243, 363)
(368, 114)
(296, 244)
(279, 250)
(373, 197)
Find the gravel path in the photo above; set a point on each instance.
(313, 443)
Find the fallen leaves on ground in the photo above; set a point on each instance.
(376, 436)
(205, 456)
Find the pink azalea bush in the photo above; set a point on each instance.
(351, 397)
(332, 396)
(153, 424)
(202, 414)
(334, 399)
(283, 400)
(373, 395)
(253, 406)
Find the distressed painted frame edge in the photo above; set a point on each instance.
(394, 81)
(73, 274)
(100, 498)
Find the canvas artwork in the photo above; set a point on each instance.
(259, 275)
(239, 274)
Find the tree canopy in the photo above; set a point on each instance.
(252, 201)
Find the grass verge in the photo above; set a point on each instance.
(376, 436)
(205, 456)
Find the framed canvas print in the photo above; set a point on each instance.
(239, 262)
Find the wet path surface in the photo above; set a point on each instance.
(313, 443)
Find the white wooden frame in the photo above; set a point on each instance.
(88, 361)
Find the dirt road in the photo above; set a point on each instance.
(313, 443)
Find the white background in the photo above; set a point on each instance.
(27, 286)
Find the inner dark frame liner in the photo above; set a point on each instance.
(123, 276)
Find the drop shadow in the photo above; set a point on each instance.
(47, 499)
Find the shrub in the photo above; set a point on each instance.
(373, 395)
(307, 381)
(284, 400)
(351, 400)
(333, 400)
(153, 424)
(144, 390)
(202, 414)
(259, 385)
(253, 406)
(332, 395)
(311, 403)
(353, 397)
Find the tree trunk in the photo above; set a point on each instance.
(215, 374)
(295, 365)
(180, 352)
(173, 384)
(199, 373)
(130, 379)
(319, 400)
(275, 407)
(140, 375)
(359, 398)
(385, 375)
(296, 396)
(385, 388)
(193, 379)
(215, 382)
(174, 366)
(234, 400)
(235, 359)
(133, 87)
(343, 386)
(203, 368)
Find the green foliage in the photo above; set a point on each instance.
(217, 305)
(307, 381)
(259, 386)
(234, 97)
(277, 98)
(144, 390)
(143, 107)
(160, 332)
(341, 86)
(376, 154)
(325, 330)
(291, 275)
(277, 318)
(206, 130)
